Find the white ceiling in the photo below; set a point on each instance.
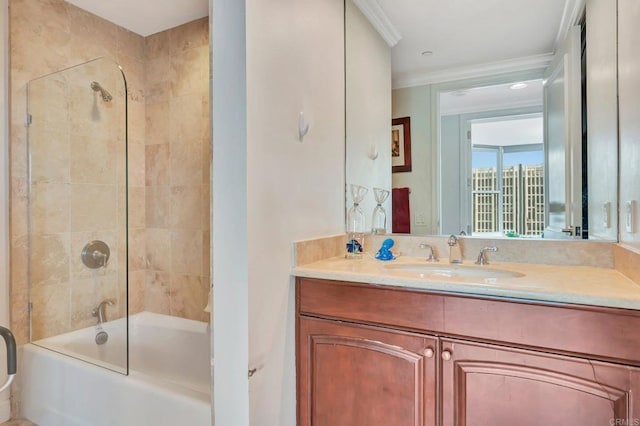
(491, 98)
(508, 132)
(465, 33)
(146, 17)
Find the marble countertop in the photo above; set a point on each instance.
(584, 285)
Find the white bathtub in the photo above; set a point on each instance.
(168, 381)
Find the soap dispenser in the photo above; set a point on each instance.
(455, 254)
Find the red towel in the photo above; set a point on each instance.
(401, 218)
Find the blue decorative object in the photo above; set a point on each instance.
(385, 251)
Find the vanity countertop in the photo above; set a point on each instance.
(584, 285)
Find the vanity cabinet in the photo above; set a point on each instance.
(357, 375)
(377, 355)
(491, 385)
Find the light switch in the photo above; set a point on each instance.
(629, 216)
(606, 209)
(420, 219)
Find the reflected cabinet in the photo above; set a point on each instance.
(366, 358)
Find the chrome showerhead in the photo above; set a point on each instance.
(106, 96)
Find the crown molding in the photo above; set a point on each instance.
(571, 15)
(379, 20)
(473, 71)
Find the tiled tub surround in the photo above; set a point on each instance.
(167, 73)
(167, 79)
(553, 271)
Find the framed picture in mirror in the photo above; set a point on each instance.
(401, 145)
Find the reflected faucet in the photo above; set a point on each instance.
(431, 257)
(482, 258)
(100, 310)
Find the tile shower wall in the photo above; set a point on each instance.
(177, 176)
(47, 36)
(50, 35)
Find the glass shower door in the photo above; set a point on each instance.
(77, 147)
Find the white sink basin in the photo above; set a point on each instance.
(425, 270)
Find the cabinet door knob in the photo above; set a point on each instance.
(428, 353)
(446, 355)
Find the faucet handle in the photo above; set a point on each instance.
(452, 241)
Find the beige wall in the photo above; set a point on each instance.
(177, 153)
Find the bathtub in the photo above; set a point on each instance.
(69, 382)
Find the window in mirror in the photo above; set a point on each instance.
(507, 177)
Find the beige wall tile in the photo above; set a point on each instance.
(50, 152)
(49, 260)
(158, 206)
(51, 307)
(186, 118)
(129, 43)
(186, 207)
(159, 70)
(20, 314)
(191, 70)
(137, 249)
(157, 292)
(93, 34)
(50, 203)
(186, 162)
(157, 160)
(156, 45)
(137, 161)
(206, 207)
(206, 258)
(136, 206)
(188, 36)
(158, 249)
(94, 207)
(157, 123)
(186, 246)
(136, 291)
(93, 159)
(19, 206)
(189, 295)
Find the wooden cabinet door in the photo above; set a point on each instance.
(350, 375)
(486, 385)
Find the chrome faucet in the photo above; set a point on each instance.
(455, 254)
(482, 258)
(100, 310)
(431, 257)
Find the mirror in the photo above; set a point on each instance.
(489, 120)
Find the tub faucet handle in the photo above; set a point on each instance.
(100, 310)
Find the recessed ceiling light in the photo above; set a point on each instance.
(518, 86)
(427, 53)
